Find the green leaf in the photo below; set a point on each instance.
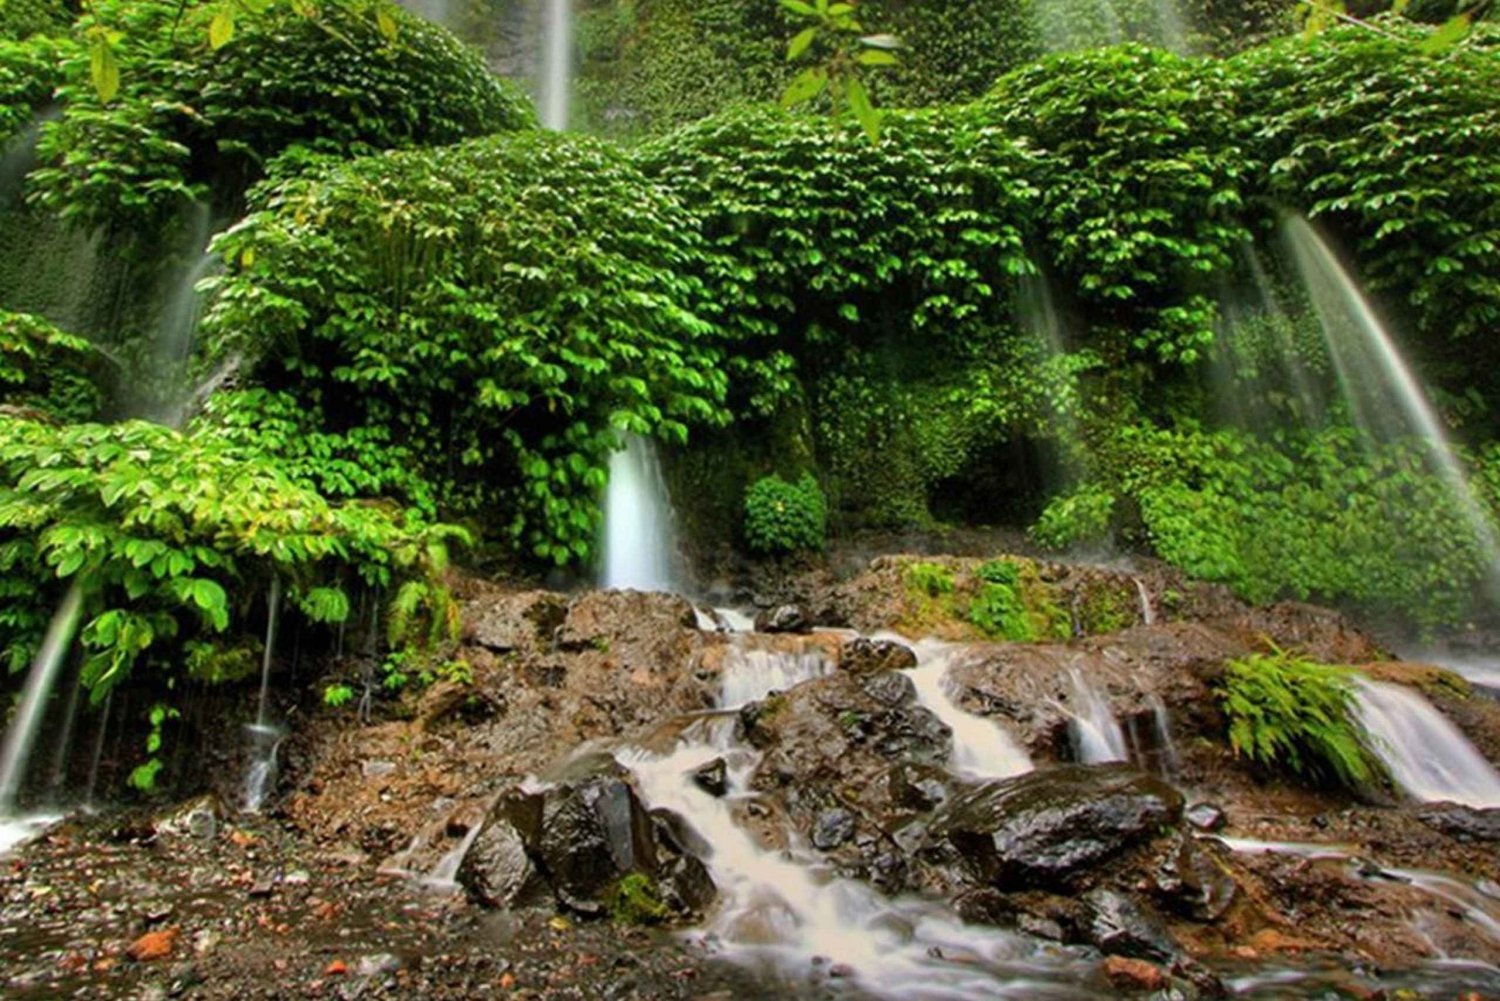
(386, 24)
(104, 70)
(877, 57)
(800, 42)
(859, 102)
(221, 28)
(1447, 36)
(798, 7)
(805, 86)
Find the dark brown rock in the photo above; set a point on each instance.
(784, 619)
(1048, 826)
(867, 656)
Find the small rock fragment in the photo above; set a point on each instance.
(153, 945)
(1133, 974)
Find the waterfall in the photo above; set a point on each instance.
(1425, 754)
(20, 738)
(784, 909)
(1383, 393)
(981, 748)
(265, 739)
(1147, 609)
(751, 675)
(1097, 737)
(637, 520)
(557, 64)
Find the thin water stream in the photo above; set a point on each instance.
(638, 541)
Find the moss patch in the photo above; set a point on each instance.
(1003, 599)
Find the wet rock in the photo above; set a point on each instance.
(601, 619)
(497, 872)
(197, 818)
(1047, 826)
(1192, 880)
(784, 619)
(1205, 817)
(509, 622)
(1462, 821)
(1120, 926)
(832, 828)
(712, 778)
(377, 964)
(921, 788)
(890, 688)
(867, 656)
(377, 769)
(1133, 974)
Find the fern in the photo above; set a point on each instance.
(1289, 712)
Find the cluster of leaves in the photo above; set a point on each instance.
(185, 121)
(782, 517)
(29, 71)
(844, 56)
(1140, 182)
(45, 371)
(1287, 712)
(173, 536)
(1001, 599)
(1306, 515)
(501, 307)
(24, 18)
(1394, 147)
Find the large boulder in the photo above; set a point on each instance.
(1044, 828)
(587, 837)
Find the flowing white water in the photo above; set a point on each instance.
(751, 675)
(20, 738)
(1383, 393)
(273, 620)
(1097, 737)
(1167, 747)
(637, 520)
(1148, 610)
(982, 749)
(785, 911)
(265, 739)
(1425, 754)
(557, 64)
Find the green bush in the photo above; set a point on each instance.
(45, 371)
(1394, 148)
(1286, 712)
(782, 517)
(500, 307)
(195, 124)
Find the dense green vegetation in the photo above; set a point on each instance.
(431, 314)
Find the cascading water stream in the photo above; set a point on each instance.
(1147, 608)
(1383, 393)
(1097, 737)
(1424, 753)
(981, 748)
(638, 539)
(557, 64)
(784, 910)
(20, 738)
(265, 739)
(750, 675)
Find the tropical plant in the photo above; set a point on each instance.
(1287, 712)
(782, 517)
(834, 33)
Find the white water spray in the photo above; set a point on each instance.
(265, 739)
(638, 539)
(557, 64)
(20, 738)
(751, 675)
(1386, 400)
(1097, 737)
(1425, 754)
(982, 749)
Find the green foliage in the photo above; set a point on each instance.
(191, 123)
(636, 900)
(20, 19)
(1140, 179)
(820, 238)
(1077, 519)
(1286, 712)
(45, 371)
(1307, 515)
(1394, 149)
(143, 777)
(782, 517)
(29, 70)
(337, 695)
(932, 580)
(500, 307)
(172, 535)
(1012, 603)
(843, 59)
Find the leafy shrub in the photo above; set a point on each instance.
(46, 371)
(501, 308)
(1013, 604)
(1290, 713)
(782, 517)
(1393, 148)
(1140, 176)
(932, 580)
(191, 123)
(29, 70)
(1079, 518)
(172, 536)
